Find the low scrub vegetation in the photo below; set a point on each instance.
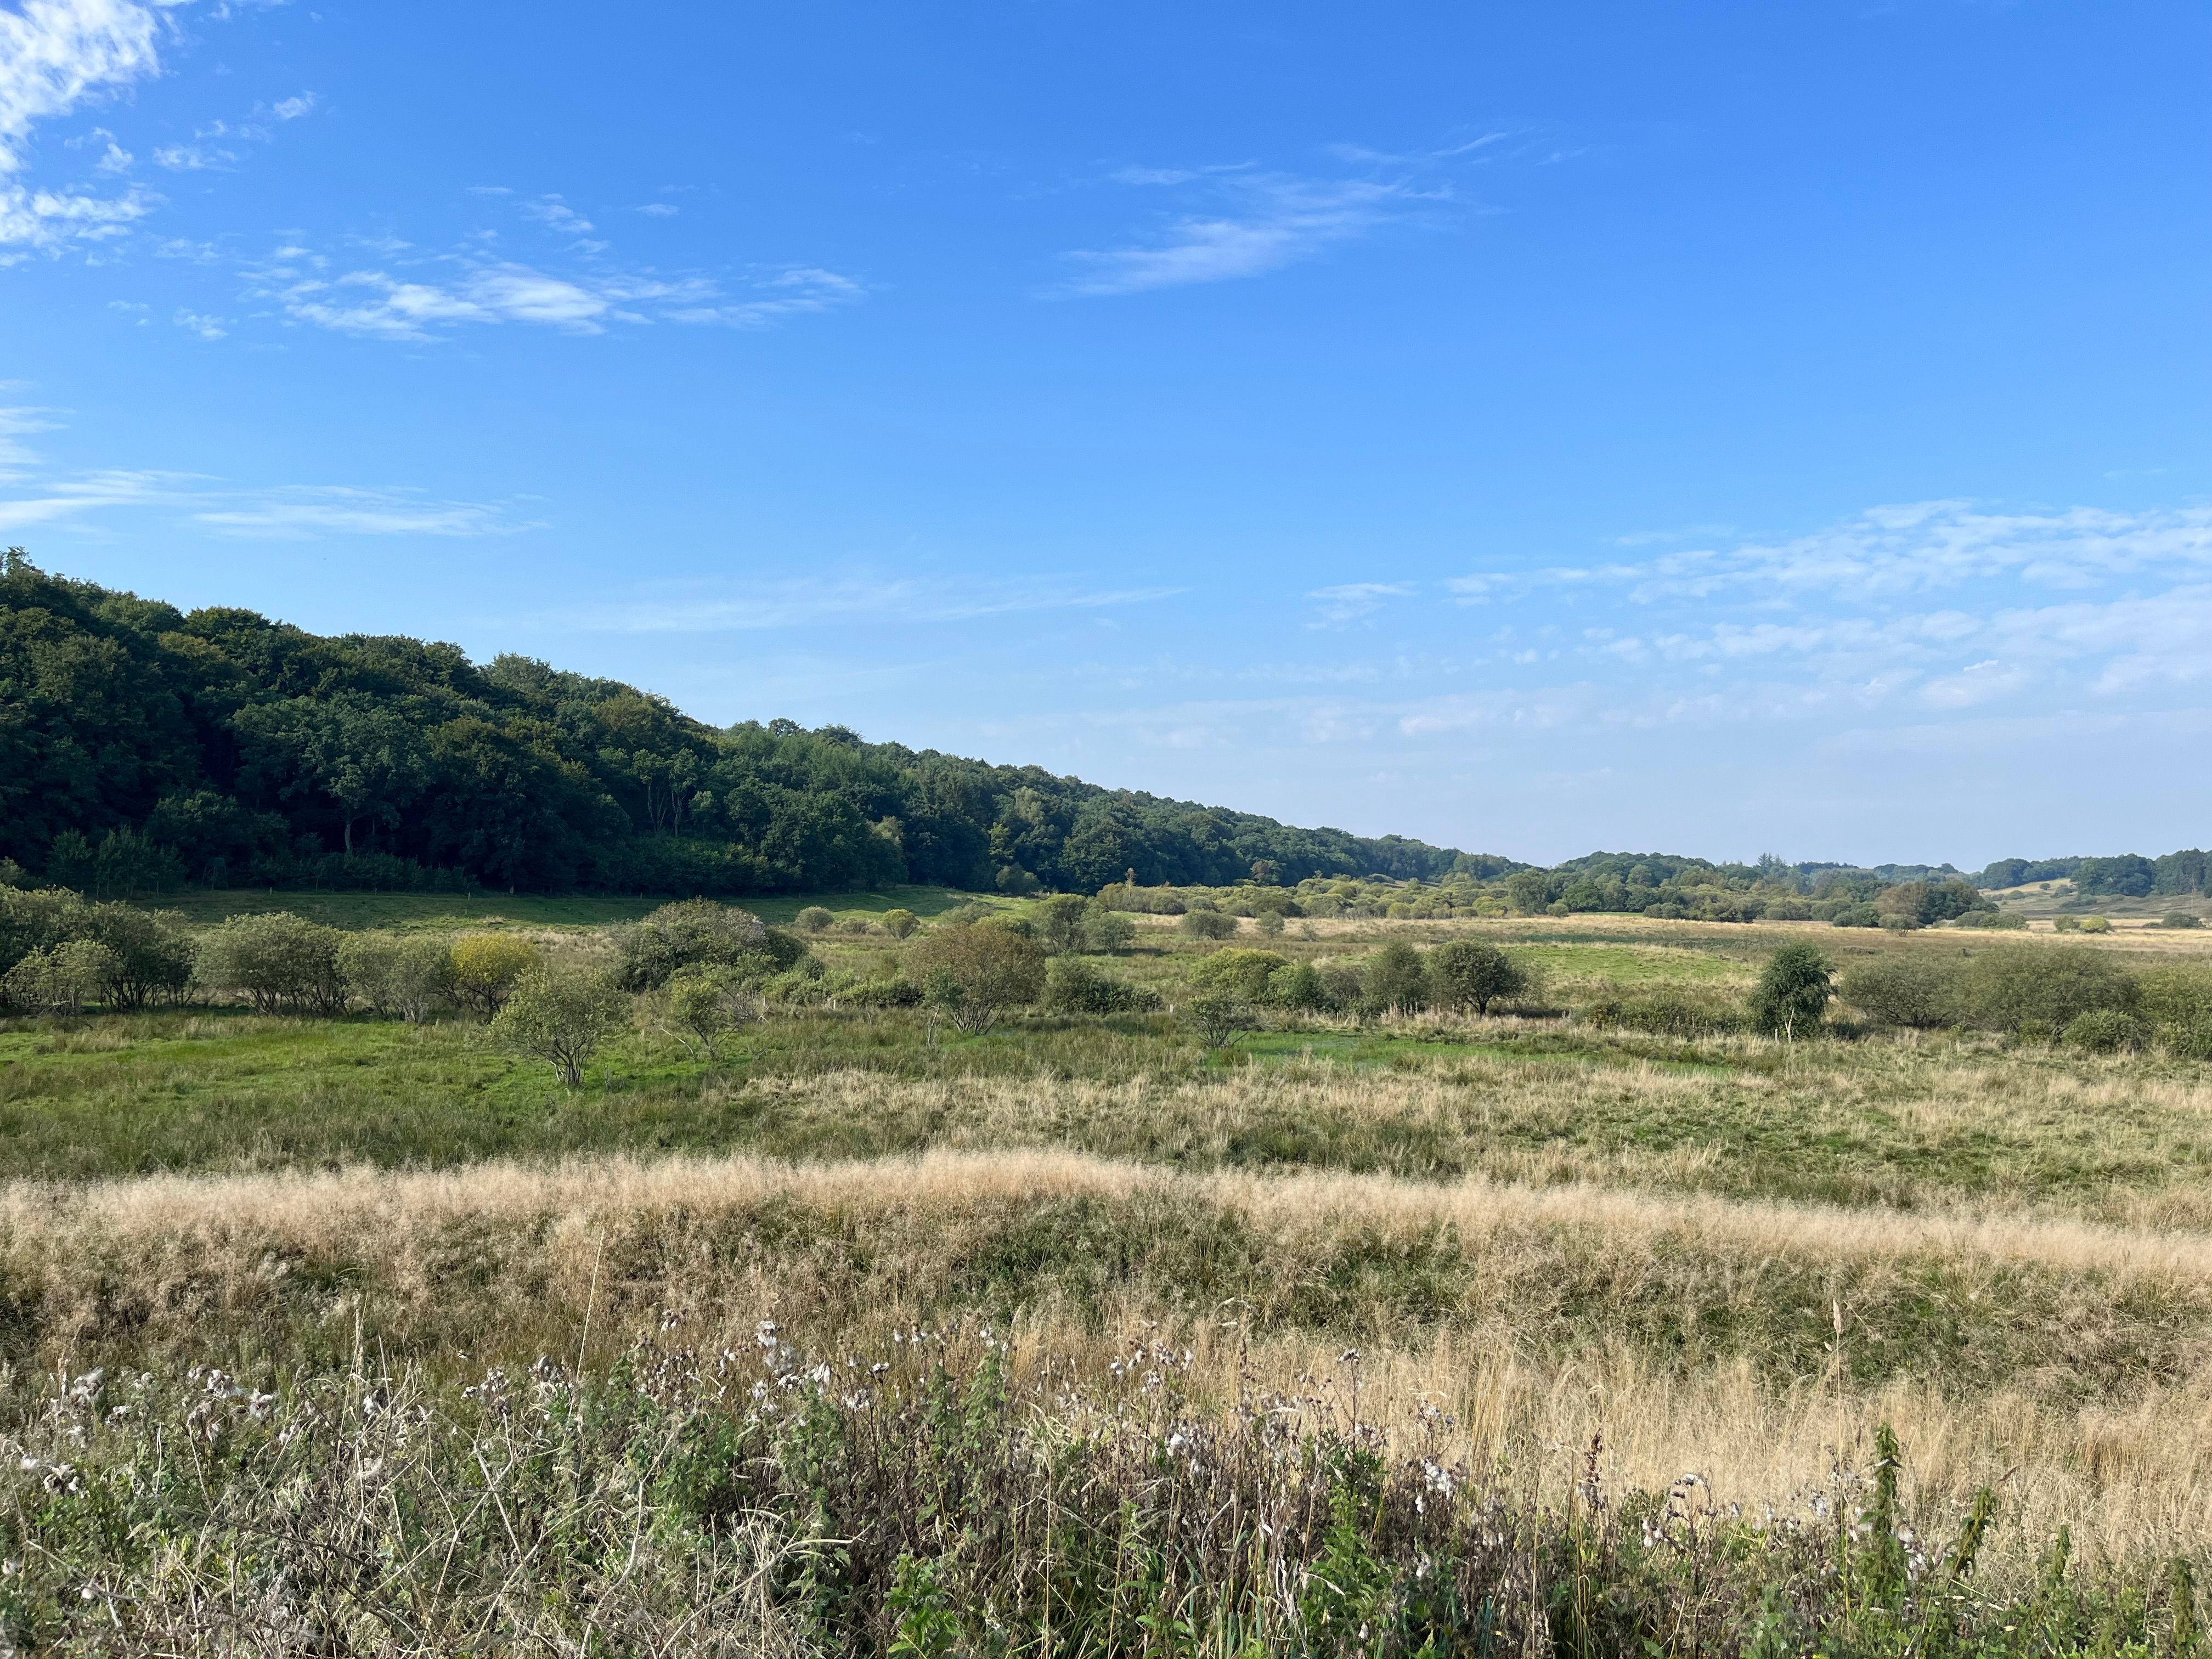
(1055, 1275)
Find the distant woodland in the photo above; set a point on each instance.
(145, 748)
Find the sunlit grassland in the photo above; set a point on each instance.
(1496, 1239)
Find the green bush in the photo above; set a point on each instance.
(813, 919)
(980, 972)
(2001, 920)
(900, 923)
(2103, 1031)
(1856, 915)
(1243, 974)
(705, 1005)
(1793, 991)
(2096, 924)
(695, 932)
(1395, 976)
(1911, 990)
(2182, 919)
(279, 962)
(1106, 932)
(1058, 921)
(154, 953)
(60, 979)
(1073, 985)
(2052, 984)
(1666, 1012)
(484, 967)
(1207, 924)
(1298, 988)
(406, 976)
(1218, 1017)
(560, 1015)
(1465, 973)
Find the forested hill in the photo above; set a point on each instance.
(141, 746)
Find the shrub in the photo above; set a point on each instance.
(2049, 984)
(60, 979)
(1207, 924)
(813, 919)
(38, 918)
(2103, 1031)
(1666, 1012)
(1793, 991)
(1466, 973)
(1107, 932)
(1218, 1017)
(1017, 881)
(1396, 977)
(1270, 923)
(1856, 915)
(1788, 909)
(1910, 990)
(1073, 985)
(399, 976)
(2096, 924)
(705, 1005)
(2066, 924)
(1239, 973)
(696, 933)
(1058, 921)
(153, 951)
(559, 1015)
(2004, 921)
(485, 967)
(975, 974)
(277, 961)
(1298, 986)
(2176, 1001)
(900, 924)
(2182, 919)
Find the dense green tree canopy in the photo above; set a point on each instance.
(141, 746)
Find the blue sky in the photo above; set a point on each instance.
(1700, 428)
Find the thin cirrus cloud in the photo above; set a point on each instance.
(41, 496)
(1241, 219)
(1348, 602)
(800, 601)
(419, 297)
(1256, 222)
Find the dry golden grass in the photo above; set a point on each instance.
(1543, 1331)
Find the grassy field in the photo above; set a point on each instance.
(1571, 1262)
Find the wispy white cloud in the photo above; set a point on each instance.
(208, 328)
(54, 55)
(1349, 601)
(1258, 223)
(797, 292)
(798, 602)
(660, 210)
(291, 109)
(1890, 551)
(301, 512)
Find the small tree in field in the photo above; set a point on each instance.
(1468, 973)
(976, 973)
(705, 1005)
(486, 968)
(901, 924)
(560, 1015)
(1793, 994)
(813, 919)
(1218, 1017)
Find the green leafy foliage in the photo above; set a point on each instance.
(560, 1015)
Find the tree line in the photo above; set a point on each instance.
(142, 747)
